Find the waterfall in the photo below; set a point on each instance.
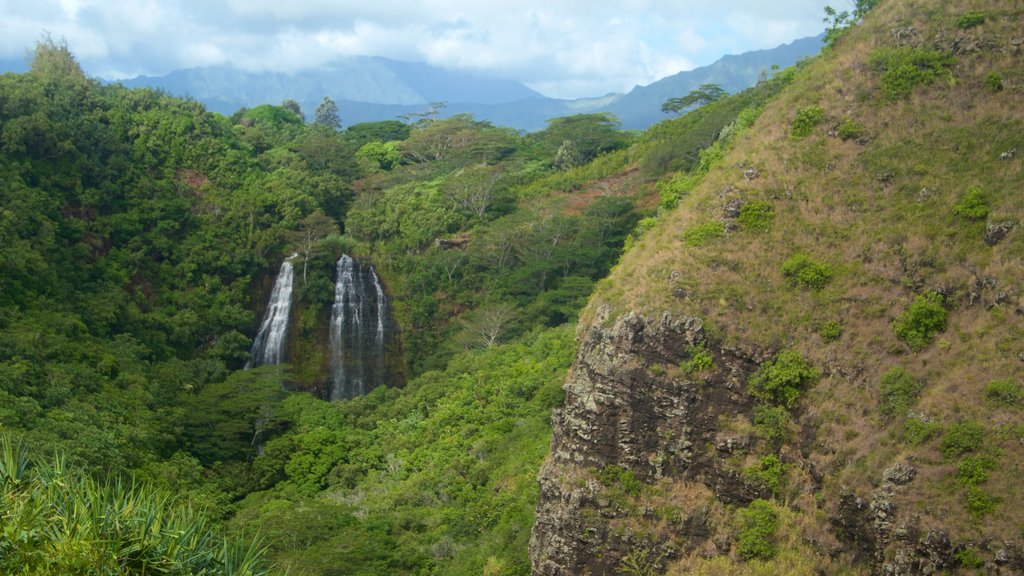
(358, 330)
(268, 347)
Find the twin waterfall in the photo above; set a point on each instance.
(357, 330)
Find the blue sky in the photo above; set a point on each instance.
(562, 48)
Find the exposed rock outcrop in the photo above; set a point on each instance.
(628, 405)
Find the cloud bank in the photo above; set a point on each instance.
(562, 48)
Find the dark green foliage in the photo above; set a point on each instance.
(769, 473)
(1005, 392)
(758, 524)
(919, 324)
(382, 131)
(974, 469)
(973, 205)
(756, 215)
(918, 431)
(772, 424)
(903, 69)
(703, 233)
(963, 437)
(782, 380)
(801, 271)
(994, 82)
(581, 138)
(897, 392)
(971, 19)
(968, 557)
(806, 119)
(705, 94)
(850, 129)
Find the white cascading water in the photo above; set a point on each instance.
(358, 320)
(268, 347)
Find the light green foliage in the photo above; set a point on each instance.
(618, 478)
(756, 538)
(897, 392)
(974, 469)
(919, 324)
(1005, 392)
(769, 473)
(673, 190)
(806, 120)
(970, 19)
(756, 215)
(994, 82)
(801, 271)
(782, 380)
(385, 154)
(54, 520)
(973, 205)
(700, 359)
(979, 503)
(918, 431)
(963, 437)
(903, 69)
(850, 129)
(831, 331)
(703, 233)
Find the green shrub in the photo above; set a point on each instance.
(921, 321)
(613, 476)
(772, 424)
(1005, 392)
(973, 470)
(963, 437)
(804, 272)
(769, 473)
(831, 331)
(903, 69)
(898, 391)
(758, 523)
(973, 205)
(979, 503)
(994, 82)
(782, 380)
(968, 557)
(700, 359)
(756, 215)
(806, 119)
(671, 191)
(971, 19)
(850, 129)
(918, 431)
(704, 233)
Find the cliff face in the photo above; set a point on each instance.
(628, 407)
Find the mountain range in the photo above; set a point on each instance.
(371, 88)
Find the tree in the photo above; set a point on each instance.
(705, 94)
(312, 229)
(578, 139)
(51, 58)
(293, 107)
(327, 114)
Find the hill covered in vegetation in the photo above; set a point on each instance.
(813, 364)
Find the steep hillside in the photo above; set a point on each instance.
(814, 363)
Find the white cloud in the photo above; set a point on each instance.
(561, 47)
